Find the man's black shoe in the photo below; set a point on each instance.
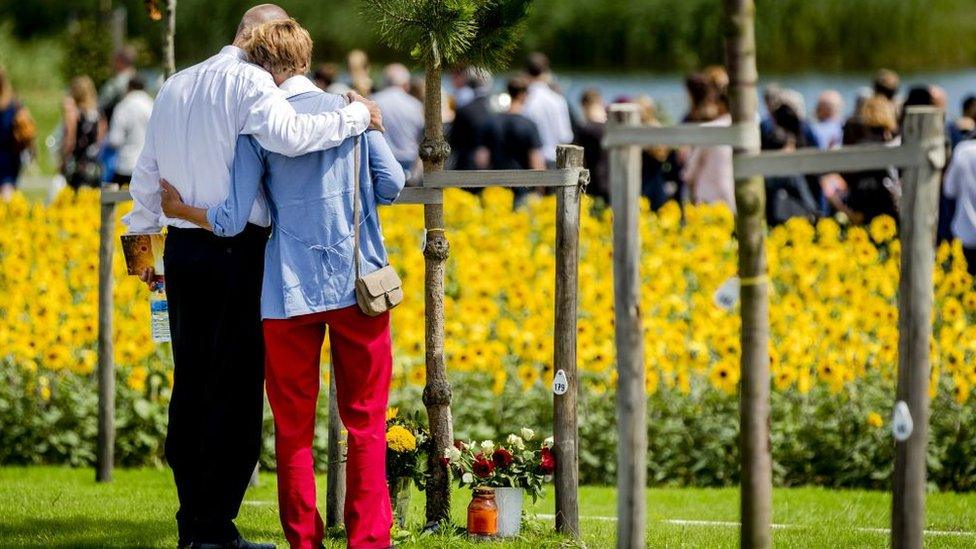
(239, 543)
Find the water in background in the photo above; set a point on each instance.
(668, 89)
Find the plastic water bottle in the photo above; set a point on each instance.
(159, 312)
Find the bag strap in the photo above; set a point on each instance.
(357, 206)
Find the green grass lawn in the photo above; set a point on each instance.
(55, 507)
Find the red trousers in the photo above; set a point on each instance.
(362, 359)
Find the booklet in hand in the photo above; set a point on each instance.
(142, 251)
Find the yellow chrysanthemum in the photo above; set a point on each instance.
(399, 439)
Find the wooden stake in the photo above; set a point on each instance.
(437, 392)
(919, 212)
(565, 428)
(625, 169)
(105, 457)
(335, 489)
(750, 197)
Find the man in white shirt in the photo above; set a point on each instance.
(127, 131)
(546, 108)
(960, 185)
(403, 116)
(213, 284)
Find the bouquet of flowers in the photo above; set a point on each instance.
(518, 463)
(406, 448)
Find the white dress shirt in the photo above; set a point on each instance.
(193, 130)
(550, 112)
(127, 131)
(960, 184)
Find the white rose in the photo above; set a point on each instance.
(487, 446)
(548, 442)
(527, 434)
(515, 441)
(452, 454)
(467, 478)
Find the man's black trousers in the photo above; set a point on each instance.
(213, 286)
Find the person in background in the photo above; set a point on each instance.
(403, 116)
(546, 108)
(511, 140)
(871, 193)
(708, 170)
(853, 128)
(127, 130)
(960, 186)
(469, 122)
(17, 132)
(116, 88)
(327, 79)
(357, 63)
(589, 133)
(886, 84)
(791, 195)
(701, 99)
(828, 126)
(660, 168)
(84, 131)
(418, 87)
(464, 87)
(963, 127)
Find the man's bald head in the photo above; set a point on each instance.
(258, 15)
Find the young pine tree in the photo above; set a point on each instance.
(441, 34)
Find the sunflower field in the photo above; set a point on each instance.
(833, 345)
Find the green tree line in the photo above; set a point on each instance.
(662, 35)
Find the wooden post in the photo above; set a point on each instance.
(335, 495)
(105, 452)
(169, 43)
(625, 168)
(919, 212)
(437, 392)
(565, 428)
(750, 196)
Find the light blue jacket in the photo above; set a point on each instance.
(308, 263)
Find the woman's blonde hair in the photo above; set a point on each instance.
(879, 112)
(82, 90)
(6, 89)
(281, 47)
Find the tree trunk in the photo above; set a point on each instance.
(169, 44)
(750, 197)
(437, 393)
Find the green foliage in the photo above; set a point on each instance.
(819, 438)
(88, 51)
(449, 32)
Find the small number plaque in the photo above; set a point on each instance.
(559, 383)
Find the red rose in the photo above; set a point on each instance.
(482, 468)
(444, 461)
(547, 462)
(459, 444)
(502, 458)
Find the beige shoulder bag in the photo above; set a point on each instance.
(381, 290)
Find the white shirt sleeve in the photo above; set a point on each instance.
(564, 127)
(958, 172)
(272, 120)
(144, 188)
(117, 128)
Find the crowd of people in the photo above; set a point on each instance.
(520, 126)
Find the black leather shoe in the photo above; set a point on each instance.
(239, 543)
